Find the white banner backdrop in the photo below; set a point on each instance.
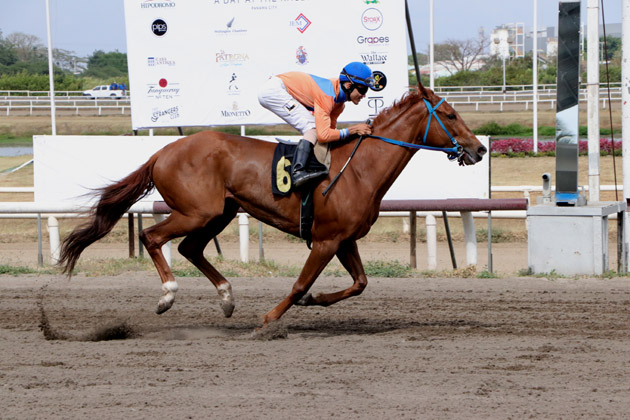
(69, 168)
(201, 62)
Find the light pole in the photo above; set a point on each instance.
(504, 88)
(535, 78)
(498, 42)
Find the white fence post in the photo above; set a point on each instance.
(53, 235)
(243, 234)
(471, 237)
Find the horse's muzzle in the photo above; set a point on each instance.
(472, 155)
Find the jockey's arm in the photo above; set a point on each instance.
(326, 123)
(358, 129)
(326, 131)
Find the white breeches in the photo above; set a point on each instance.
(274, 96)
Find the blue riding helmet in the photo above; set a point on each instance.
(358, 74)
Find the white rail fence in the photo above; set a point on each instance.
(477, 98)
(438, 89)
(53, 211)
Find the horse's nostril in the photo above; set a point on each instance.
(482, 150)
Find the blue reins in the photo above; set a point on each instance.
(450, 150)
(453, 152)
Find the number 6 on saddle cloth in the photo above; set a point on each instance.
(281, 184)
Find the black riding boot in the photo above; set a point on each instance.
(300, 175)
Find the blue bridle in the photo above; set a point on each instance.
(453, 153)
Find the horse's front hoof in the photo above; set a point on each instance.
(228, 308)
(227, 300)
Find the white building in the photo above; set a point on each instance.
(508, 40)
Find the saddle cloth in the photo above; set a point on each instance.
(283, 158)
(282, 185)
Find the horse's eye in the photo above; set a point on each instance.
(452, 116)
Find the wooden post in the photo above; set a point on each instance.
(140, 247)
(131, 234)
(412, 239)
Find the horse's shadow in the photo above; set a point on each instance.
(314, 327)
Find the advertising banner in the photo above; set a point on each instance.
(202, 62)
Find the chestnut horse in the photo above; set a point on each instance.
(207, 176)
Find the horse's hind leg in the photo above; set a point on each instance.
(154, 237)
(192, 248)
(348, 254)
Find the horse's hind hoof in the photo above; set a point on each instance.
(163, 306)
(228, 308)
(306, 300)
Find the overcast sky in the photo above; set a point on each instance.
(84, 26)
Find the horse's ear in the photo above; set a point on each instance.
(422, 90)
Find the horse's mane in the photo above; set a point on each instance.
(407, 100)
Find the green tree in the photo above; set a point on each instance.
(27, 47)
(613, 45)
(422, 59)
(107, 65)
(8, 56)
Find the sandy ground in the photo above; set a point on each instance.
(508, 348)
(436, 348)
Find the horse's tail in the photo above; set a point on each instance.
(114, 202)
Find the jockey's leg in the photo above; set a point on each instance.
(300, 173)
(275, 98)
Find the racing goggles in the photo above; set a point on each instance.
(359, 83)
(362, 89)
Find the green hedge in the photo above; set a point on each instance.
(34, 82)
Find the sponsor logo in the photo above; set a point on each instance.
(230, 28)
(373, 40)
(372, 19)
(156, 4)
(376, 103)
(302, 23)
(301, 56)
(290, 106)
(163, 89)
(159, 27)
(374, 57)
(380, 81)
(231, 1)
(172, 112)
(254, 4)
(160, 61)
(235, 112)
(233, 86)
(231, 59)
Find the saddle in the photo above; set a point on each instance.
(282, 186)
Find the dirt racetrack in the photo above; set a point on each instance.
(407, 348)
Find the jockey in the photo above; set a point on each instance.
(311, 105)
